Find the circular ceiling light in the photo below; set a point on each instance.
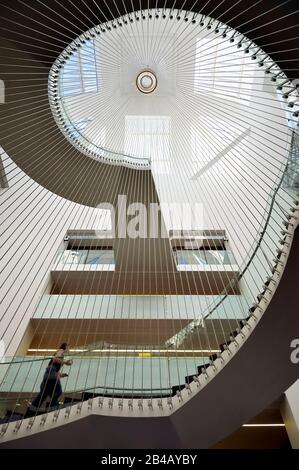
(146, 82)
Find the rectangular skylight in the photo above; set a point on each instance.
(222, 68)
(80, 72)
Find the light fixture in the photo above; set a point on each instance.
(158, 351)
(266, 425)
(146, 82)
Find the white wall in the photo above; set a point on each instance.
(33, 224)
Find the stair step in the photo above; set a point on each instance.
(252, 309)
(30, 412)
(70, 400)
(235, 333)
(189, 378)
(245, 320)
(177, 388)
(213, 357)
(203, 366)
(87, 395)
(224, 346)
(11, 416)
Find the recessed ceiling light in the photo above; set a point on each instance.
(268, 425)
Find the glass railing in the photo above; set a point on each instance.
(205, 260)
(175, 307)
(133, 374)
(256, 272)
(113, 376)
(68, 260)
(254, 275)
(291, 178)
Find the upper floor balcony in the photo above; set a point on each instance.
(85, 260)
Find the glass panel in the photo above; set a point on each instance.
(229, 258)
(215, 257)
(74, 257)
(204, 257)
(24, 375)
(191, 257)
(100, 257)
(71, 78)
(88, 67)
(216, 62)
(198, 257)
(291, 177)
(80, 72)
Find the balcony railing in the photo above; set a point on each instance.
(85, 260)
(291, 179)
(205, 260)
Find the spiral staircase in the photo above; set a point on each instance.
(181, 338)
